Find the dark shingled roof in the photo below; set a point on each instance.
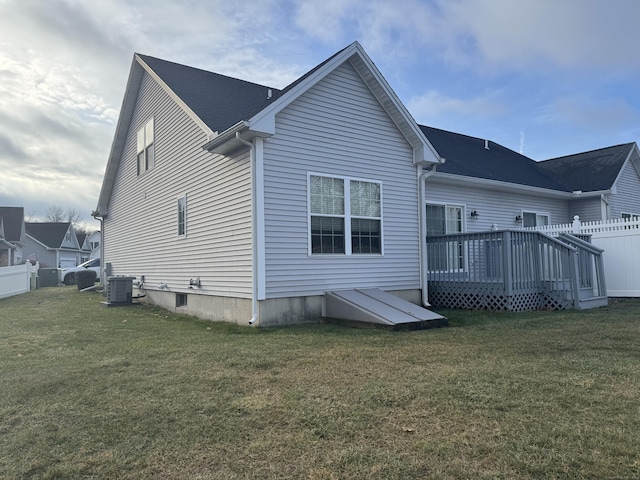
(588, 171)
(50, 234)
(12, 218)
(219, 101)
(468, 156)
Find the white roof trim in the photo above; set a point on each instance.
(624, 164)
(424, 152)
(138, 67)
(198, 121)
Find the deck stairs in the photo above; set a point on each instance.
(592, 289)
(374, 307)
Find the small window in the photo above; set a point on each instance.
(630, 216)
(181, 300)
(532, 219)
(182, 216)
(146, 154)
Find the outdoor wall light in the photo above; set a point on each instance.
(518, 218)
(474, 214)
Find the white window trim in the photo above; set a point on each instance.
(346, 216)
(463, 211)
(537, 214)
(143, 128)
(463, 214)
(186, 208)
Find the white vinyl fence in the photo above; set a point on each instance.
(17, 279)
(620, 240)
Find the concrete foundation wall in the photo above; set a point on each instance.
(271, 312)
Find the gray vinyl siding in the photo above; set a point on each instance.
(627, 196)
(46, 258)
(140, 230)
(494, 207)
(588, 209)
(338, 128)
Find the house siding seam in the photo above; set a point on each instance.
(627, 197)
(338, 128)
(140, 230)
(494, 208)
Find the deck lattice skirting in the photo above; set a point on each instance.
(513, 270)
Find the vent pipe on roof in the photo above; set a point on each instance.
(486, 144)
(269, 94)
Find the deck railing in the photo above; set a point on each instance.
(512, 270)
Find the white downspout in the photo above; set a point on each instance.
(254, 230)
(101, 220)
(423, 233)
(604, 207)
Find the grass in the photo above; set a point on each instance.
(90, 392)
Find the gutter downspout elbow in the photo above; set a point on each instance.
(254, 233)
(423, 233)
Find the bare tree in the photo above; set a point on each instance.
(73, 216)
(55, 213)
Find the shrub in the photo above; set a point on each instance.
(86, 278)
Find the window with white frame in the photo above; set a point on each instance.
(182, 216)
(629, 216)
(345, 216)
(442, 220)
(533, 219)
(146, 154)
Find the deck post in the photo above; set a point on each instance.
(574, 269)
(507, 264)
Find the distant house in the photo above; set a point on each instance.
(236, 201)
(483, 185)
(93, 243)
(12, 235)
(54, 244)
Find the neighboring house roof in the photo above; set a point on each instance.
(592, 171)
(12, 220)
(230, 110)
(82, 237)
(50, 234)
(588, 172)
(468, 156)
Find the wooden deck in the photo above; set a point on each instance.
(514, 270)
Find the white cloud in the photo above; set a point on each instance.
(530, 33)
(431, 107)
(592, 115)
(64, 65)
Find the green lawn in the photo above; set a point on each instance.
(91, 392)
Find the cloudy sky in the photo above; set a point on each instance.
(544, 77)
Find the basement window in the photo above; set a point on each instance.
(181, 300)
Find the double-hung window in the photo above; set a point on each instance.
(345, 216)
(146, 154)
(182, 216)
